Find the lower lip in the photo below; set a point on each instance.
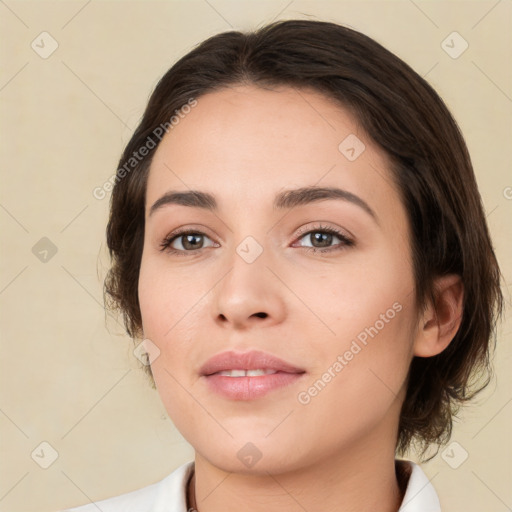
(250, 388)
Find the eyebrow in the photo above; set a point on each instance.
(284, 200)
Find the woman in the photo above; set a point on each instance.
(298, 238)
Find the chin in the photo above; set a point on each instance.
(252, 460)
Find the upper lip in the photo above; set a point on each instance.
(252, 360)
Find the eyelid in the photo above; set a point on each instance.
(194, 228)
(318, 226)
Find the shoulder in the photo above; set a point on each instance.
(420, 495)
(153, 498)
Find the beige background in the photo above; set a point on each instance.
(68, 380)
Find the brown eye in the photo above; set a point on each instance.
(320, 239)
(323, 239)
(187, 241)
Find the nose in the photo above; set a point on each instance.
(249, 294)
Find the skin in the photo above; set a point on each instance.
(244, 145)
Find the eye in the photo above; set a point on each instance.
(322, 238)
(185, 241)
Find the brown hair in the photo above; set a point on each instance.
(430, 163)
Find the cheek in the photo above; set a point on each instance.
(169, 297)
(172, 303)
(359, 381)
(366, 291)
(363, 355)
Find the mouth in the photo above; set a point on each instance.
(248, 375)
(245, 373)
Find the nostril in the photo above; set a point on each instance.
(261, 315)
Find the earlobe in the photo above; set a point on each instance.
(441, 319)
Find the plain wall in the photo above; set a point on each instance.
(67, 379)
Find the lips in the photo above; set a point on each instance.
(253, 360)
(249, 375)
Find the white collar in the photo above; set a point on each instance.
(170, 494)
(420, 495)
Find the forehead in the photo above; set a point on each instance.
(246, 143)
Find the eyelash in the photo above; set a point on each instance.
(345, 241)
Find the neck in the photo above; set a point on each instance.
(362, 480)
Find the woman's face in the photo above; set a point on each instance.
(324, 284)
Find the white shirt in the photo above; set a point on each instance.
(169, 495)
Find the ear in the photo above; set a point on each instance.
(441, 320)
